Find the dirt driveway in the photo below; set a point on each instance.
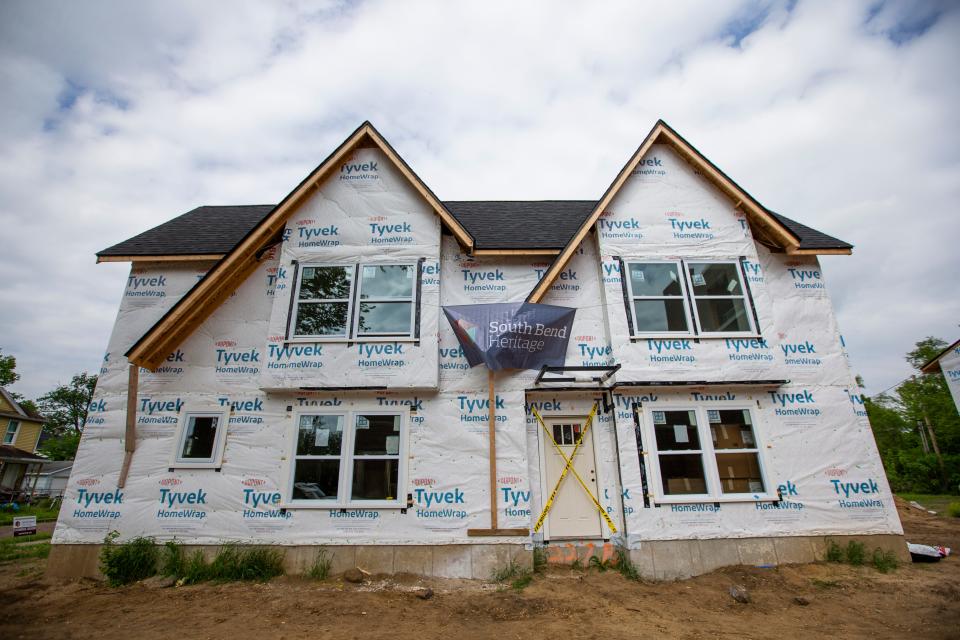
(916, 601)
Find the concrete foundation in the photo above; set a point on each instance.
(478, 561)
(654, 559)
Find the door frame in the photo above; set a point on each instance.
(542, 465)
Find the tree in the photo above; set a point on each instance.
(62, 447)
(8, 375)
(65, 407)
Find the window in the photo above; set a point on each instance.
(10, 435)
(657, 299)
(666, 297)
(349, 457)
(200, 440)
(706, 454)
(342, 302)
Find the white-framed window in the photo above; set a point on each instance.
(720, 301)
(201, 437)
(354, 302)
(10, 435)
(346, 458)
(703, 298)
(706, 454)
(657, 299)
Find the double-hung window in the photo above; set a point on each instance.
(706, 454)
(677, 298)
(346, 458)
(10, 435)
(200, 440)
(344, 302)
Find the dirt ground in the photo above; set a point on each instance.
(915, 601)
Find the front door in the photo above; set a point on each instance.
(573, 514)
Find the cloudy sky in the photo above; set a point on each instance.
(116, 116)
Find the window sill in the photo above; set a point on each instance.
(702, 499)
(188, 466)
(691, 336)
(338, 340)
(350, 506)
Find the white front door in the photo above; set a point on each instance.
(573, 514)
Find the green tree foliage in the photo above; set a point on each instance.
(900, 422)
(63, 447)
(8, 374)
(65, 407)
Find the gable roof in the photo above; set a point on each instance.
(55, 467)
(20, 412)
(767, 227)
(226, 275)
(12, 454)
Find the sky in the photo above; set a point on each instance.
(117, 116)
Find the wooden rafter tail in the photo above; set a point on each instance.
(130, 432)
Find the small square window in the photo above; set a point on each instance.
(200, 440)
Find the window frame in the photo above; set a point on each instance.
(412, 300)
(694, 325)
(708, 455)
(632, 299)
(346, 457)
(219, 444)
(16, 432)
(744, 295)
(353, 315)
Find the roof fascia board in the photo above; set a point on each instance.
(515, 252)
(191, 257)
(934, 365)
(13, 403)
(200, 301)
(820, 252)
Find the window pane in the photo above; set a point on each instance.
(11, 432)
(199, 438)
(660, 315)
(377, 435)
(731, 429)
(682, 474)
(676, 430)
(316, 479)
(655, 280)
(387, 281)
(385, 317)
(715, 279)
(319, 283)
(321, 319)
(739, 473)
(320, 435)
(375, 479)
(722, 315)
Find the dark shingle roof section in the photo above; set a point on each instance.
(521, 224)
(494, 224)
(810, 238)
(205, 230)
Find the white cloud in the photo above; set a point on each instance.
(117, 117)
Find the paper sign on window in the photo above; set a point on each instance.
(393, 445)
(362, 423)
(747, 436)
(713, 415)
(369, 272)
(680, 433)
(699, 280)
(755, 486)
(659, 417)
(321, 438)
(638, 276)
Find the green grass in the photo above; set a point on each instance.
(855, 554)
(43, 514)
(12, 549)
(884, 561)
(935, 502)
(19, 539)
(320, 569)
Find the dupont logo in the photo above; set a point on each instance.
(253, 482)
(170, 482)
(354, 171)
(88, 482)
(424, 482)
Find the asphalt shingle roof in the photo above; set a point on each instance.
(494, 224)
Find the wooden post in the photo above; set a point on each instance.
(493, 450)
(130, 434)
(936, 450)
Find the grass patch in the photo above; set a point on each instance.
(522, 582)
(855, 553)
(518, 577)
(825, 584)
(320, 569)
(953, 509)
(576, 565)
(14, 552)
(43, 511)
(834, 552)
(600, 565)
(884, 561)
(539, 559)
(37, 536)
(625, 565)
(128, 562)
(935, 502)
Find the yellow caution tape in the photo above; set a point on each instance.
(569, 467)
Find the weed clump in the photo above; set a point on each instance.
(127, 562)
(320, 568)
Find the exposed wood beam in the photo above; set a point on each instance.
(130, 433)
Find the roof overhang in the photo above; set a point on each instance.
(933, 366)
(765, 226)
(190, 257)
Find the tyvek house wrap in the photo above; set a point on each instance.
(807, 445)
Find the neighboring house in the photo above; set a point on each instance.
(20, 427)
(283, 374)
(51, 480)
